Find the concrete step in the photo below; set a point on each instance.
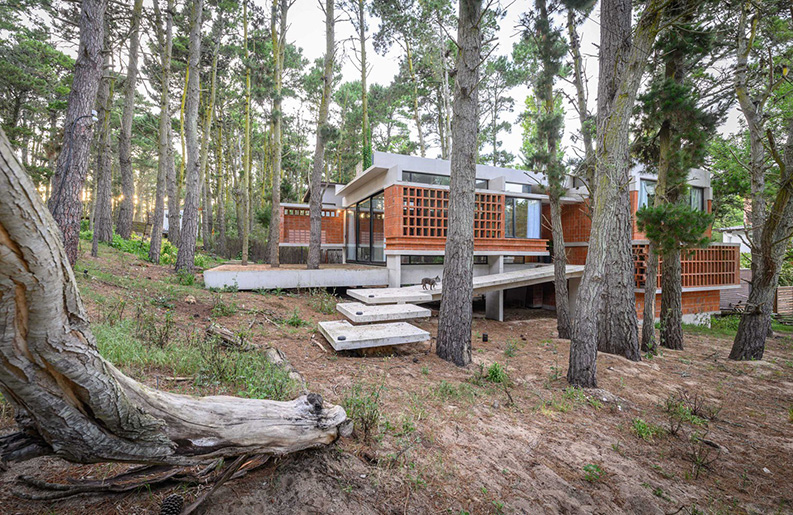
(342, 335)
(362, 314)
(391, 295)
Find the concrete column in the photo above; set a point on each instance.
(494, 300)
(394, 265)
(572, 294)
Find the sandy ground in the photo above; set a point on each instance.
(452, 443)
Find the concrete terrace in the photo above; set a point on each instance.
(265, 277)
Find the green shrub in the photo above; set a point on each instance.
(646, 431)
(185, 278)
(497, 373)
(592, 472)
(221, 308)
(362, 404)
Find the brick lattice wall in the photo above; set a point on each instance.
(416, 219)
(712, 266)
(296, 226)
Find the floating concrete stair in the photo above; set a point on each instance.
(390, 295)
(342, 335)
(365, 314)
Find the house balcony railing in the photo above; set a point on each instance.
(717, 265)
(416, 218)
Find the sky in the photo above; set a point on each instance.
(307, 30)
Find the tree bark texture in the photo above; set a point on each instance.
(126, 209)
(619, 328)
(616, 95)
(366, 130)
(279, 42)
(563, 324)
(772, 222)
(65, 203)
(72, 403)
(588, 166)
(206, 219)
(454, 323)
(103, 213)
(315, 202)
(189, 235)
(165, 157)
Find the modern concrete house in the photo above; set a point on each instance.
(393, 215)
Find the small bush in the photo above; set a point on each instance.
(511, 349)
(221, 308)
(497, 373)
(646, 431)
(295, 321)
(592, 473)
(362, 404)
(323, 301)
(185, 278)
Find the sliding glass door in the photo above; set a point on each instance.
(365, 237)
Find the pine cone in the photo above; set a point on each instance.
(172, 505)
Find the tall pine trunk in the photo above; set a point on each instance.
(187, 241)
(65, 202)
(366, 131)
(103, 214)
(279, 42)
(315, 208)
(206, 137)
(621, 72)
(454, 322)
(164, 157)
(772, 225)
(127, 209)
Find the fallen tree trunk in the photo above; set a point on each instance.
(71, 403)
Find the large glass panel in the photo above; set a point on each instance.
(515, 187)
(697, 198)
(378, 238)
(425, 178)
(351, 235)
(533, 219)
(509, 217)
(646, 193)
(521, 217)
(364, 230)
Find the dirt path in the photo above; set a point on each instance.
(451, 441)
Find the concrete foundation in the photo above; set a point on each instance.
(263, 277)
(344, 336)
(362, 313)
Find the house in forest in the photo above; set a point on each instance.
(393, 215)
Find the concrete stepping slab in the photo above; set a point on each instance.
(342, 335)
(390, 295)
(362, 314)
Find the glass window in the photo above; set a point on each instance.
(378, 219)
(351, 234)
(515, 187)
(437, 180)
(522, 217)
(425, 178)
(646, 193)
(697, 198)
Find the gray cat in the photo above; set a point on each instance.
(429, 282)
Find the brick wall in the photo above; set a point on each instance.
(694, 302)
(296, 225)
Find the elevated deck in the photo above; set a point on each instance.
(482, 284)
(264, 277)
